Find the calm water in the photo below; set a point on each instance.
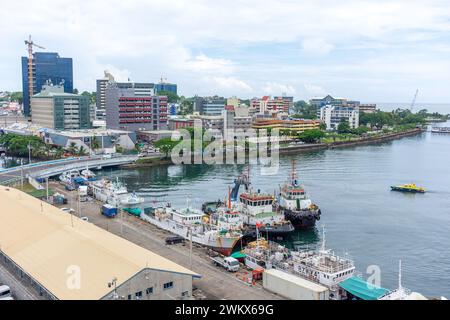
(362, 216)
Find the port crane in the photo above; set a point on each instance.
(30, 45)
(414, 100)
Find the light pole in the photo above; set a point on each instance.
(114, 283)
(29, 153)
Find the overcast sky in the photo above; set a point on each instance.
(374, 51)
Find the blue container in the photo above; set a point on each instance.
(109, 210)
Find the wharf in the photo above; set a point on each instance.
(215, 284)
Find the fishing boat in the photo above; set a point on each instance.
(408, 188)
(323, 266)
(131, 204)
(192, 224)
(440, 129)
(109, 192)
(258, 210)
(87, 174)
(68, 176)
(296, 205)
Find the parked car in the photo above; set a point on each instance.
(85, 219)
(5, 292)
(68, 210)
(174, 240)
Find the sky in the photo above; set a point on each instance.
(372, 51)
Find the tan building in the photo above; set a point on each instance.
(65, 258)
(293, 125)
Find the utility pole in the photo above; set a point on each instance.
(46, 185)
(21, 173)
(190, 248)
(29, 153)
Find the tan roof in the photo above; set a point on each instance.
(44, 244)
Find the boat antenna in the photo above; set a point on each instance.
(293, 174)
(400, 274)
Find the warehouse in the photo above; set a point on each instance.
(63, 257)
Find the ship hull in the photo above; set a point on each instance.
(302, 219)
(407, 190)
(223, 244)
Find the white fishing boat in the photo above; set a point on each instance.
(132, 200)
(190, 223)
(87, 174)
(68, 176)
(109, 192)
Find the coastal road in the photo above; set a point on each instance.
(18, 289)
(216, 283)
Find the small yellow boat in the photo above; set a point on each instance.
(408, 188)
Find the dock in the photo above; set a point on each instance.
(216, 283)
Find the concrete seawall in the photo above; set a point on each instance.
(307, 147)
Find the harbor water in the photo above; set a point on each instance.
(363, 218)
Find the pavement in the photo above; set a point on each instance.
(19, 290)
(216, 283)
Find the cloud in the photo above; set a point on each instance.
(230, 83)
(274, 88)
(317, 46)
(314, 90)
(362, 48)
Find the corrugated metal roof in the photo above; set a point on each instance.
(42, 241)
(297, 280)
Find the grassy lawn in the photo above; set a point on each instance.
(28, 188)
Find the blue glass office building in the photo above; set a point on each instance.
(46, 66)
(162, 86)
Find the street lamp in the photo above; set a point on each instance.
(114, 283)
(29, 153)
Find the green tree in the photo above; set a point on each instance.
(165, 145)
(305, 110)
(171, 96)
(17, 97)
(82, 151)
(311, 136)
(344, 127)
(95, 143)
(323, 126)
(73, 149)
(75, 91)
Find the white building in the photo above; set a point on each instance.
(333, 115)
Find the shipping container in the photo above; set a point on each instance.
(109, 210)
(293, 287)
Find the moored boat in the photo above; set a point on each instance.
(190, 223)
(296, 205)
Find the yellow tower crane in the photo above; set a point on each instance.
(30, 45)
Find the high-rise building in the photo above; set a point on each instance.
(134, 107)
(140, 89)
(332, 116)
(210, 106)
(55, 109)
(165, 86)
(47, 66)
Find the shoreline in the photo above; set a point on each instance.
(151, 162)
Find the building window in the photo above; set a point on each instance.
(129, 297)
(168, 285)
(138, 295)
(149, 291)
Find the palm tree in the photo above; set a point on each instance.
(81, 151)
(73, 149)
(95, 144)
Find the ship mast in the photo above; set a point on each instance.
(400, 274)
(323, 249)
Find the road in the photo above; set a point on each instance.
(18, 289)
(216, 283)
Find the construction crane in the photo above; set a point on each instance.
(30, 45)
(414, 100)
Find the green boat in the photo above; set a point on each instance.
(408, 188)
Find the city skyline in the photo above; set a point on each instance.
(359, 50)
